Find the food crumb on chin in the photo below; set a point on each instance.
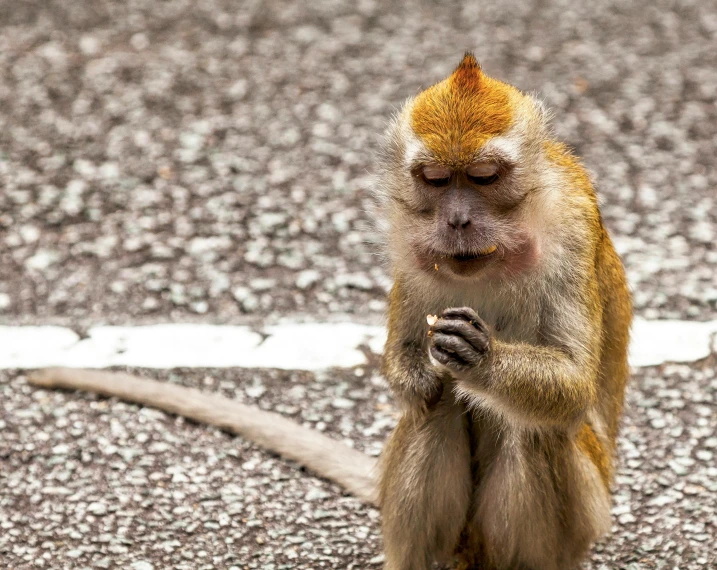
(435, 267)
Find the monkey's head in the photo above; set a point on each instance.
(461, 164)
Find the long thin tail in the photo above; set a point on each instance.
(324, 456)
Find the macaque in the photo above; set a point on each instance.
(507, 344)
(507, 336)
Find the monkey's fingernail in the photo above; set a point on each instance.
(431, 319)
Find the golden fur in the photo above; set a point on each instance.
(505, 464)
(455, 117)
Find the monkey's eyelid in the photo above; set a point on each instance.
(483, 170)
(436, 172)
(483, 180)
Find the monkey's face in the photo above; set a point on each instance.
(464, 219)
(462, 169)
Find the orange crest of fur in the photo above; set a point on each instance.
(457, 116)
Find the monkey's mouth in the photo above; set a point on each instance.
(462, 264)
(465, 263)
(464, 257)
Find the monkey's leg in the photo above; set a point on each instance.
(425, 487)
(541, 503)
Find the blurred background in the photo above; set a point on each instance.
(177, 161)
(211, 160)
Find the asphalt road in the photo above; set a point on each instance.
(211, 162)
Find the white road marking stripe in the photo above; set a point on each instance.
(291, 346)
(656, 342)
(310, 346)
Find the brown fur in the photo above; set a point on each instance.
(349, 468)
(504, 454)
(589, 444)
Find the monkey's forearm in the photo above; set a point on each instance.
(405, 365)
(543, 383)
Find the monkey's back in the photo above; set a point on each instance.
(616, 319)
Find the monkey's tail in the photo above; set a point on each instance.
(324, 456)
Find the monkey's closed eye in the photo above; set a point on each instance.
(482, 174)
(437, 175)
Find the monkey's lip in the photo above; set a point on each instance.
(465, 263)
(477, 255)
(481, 254)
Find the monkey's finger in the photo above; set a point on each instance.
(478, 339)
(447, 358)
(455, 345)
(465, 314)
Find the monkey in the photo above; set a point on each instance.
(511, 395)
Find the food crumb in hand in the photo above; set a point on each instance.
(431, 319)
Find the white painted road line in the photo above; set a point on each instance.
(656, 342)
(292, 346)
(310, 346)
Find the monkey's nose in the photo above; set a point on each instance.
(459, 220)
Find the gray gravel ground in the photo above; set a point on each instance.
(96, 483)
(91, 483)
(210, 161)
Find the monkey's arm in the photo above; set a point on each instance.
(552, 383)
(329, 458)
(414, 381)
(545, 383)
(408, 371)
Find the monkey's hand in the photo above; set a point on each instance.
(460, 339)
(415, 383)
(424, 393)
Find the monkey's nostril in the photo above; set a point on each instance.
(459, 222)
